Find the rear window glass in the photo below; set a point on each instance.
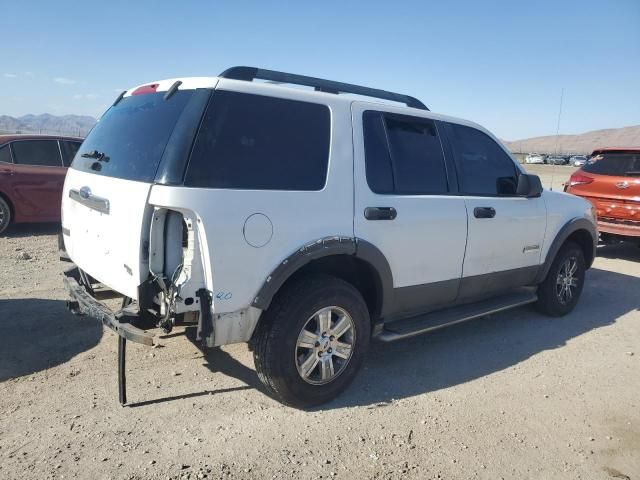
(37, 152)
(616, 164)
(256, 142)
(5, 154)
(132, 135)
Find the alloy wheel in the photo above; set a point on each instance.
(325, 345)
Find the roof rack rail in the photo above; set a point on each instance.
(329, 86)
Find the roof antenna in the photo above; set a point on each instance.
(553, 171)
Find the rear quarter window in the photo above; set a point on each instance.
(5, 154)
(256, 142)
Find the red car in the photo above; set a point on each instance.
(32, 170)
(610, 180)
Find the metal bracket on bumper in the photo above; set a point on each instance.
(82, 303)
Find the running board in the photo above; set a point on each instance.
(409, 327)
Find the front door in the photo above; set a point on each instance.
(505, 230)
(405, 207)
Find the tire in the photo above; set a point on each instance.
(555, 298)
(283, 353)
(5, 215)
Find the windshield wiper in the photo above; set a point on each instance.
(100, 156)
(632, 173)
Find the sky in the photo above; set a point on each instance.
(502, 64)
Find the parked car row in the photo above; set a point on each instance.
(32, 172)
(573, 160)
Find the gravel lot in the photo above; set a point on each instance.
(515, 395)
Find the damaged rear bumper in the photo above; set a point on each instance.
(122, 322)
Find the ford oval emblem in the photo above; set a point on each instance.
(85, 192)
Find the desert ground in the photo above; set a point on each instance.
(514, 396)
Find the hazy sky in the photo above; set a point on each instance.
(500, 63)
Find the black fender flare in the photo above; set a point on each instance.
(324, 247)
(572, 226)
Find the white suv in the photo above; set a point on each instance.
(307, 222)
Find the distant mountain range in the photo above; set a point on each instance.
(582, 143)
(78, 125)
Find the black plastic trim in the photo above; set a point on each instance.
(329, 86)
(570, 227)
(477, 287)
(176, 154)
(320, 248)
(422, 298)
(370, 254)
(420, 324)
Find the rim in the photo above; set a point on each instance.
(4, 217)
(325, 345)
(567, 281)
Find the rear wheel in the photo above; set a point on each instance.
(558, 294)
(5, 215)
(311, 341)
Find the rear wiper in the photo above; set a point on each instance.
(101, 157)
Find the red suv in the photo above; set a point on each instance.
(611, 181)
(32, 170)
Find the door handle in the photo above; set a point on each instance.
(484, 212)
(380, 213)
(6, 171)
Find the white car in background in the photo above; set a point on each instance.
(534, 158)
(577, 160)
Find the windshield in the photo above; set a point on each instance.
(130, 138)
(616, 164)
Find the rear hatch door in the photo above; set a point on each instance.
(105, 211)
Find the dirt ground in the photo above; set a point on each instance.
(515, 395)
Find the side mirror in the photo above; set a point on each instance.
(529, 186)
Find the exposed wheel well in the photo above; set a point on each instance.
(357, 272)
(585, 241)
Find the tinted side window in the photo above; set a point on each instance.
(69, 150)
(5, 154)
(37, 152)
(403, 155)
(257, 142)
(376, 151)
(483, 166)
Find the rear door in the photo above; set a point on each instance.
(505, 231)
(38, 177)
(406, 205)
(106, 217)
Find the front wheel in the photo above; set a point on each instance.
(311, 341)
(558, 294)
